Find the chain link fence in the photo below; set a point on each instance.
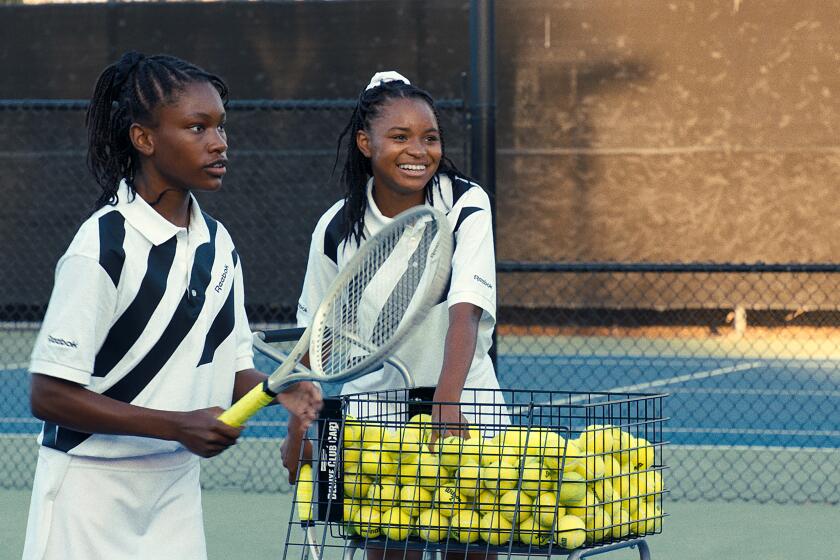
(749, 354)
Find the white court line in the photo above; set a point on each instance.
(20, 365)
(647, 385)
(687, 377)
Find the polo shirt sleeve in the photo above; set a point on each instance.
(79, 315)
(241, 328)
(474, 261)
(320, 273)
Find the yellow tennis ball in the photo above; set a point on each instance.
(642, 456)
(570, 532)
(646, 519)
(621, 522)
(552, 448)
(495, 529)
(499, 477)
(583, 507)
(371, 459)
(448, 499)
(515, 506)
(468, 479)
(424, 423)
(396, 524)
(532, 533)
(356, 485)
(491, 450)
(430, 474)
(572, 487)
(367, 522)
(390, 442)
(464, 526)
(536, 478)
(414, 499)
(650, 482)
(546, 509)
(349, 508)
(573, 458)
(515, 437)
(597, 523)
(433, 526)
(410, 444)
(352, 429)
(407, 473)
(352, 459)
(611, 466)
(449, 450)
(485, 501)
(596, 439)
(372, 435)
(603, 488)
(471, 449)
(384, 495)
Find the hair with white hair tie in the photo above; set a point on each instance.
(390, 76)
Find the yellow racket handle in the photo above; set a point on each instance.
(247, 406)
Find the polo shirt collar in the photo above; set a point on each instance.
(375, 220)
(152, 225)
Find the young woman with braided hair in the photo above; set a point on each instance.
(396, 160)
(145, 338)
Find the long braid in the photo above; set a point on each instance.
(357, 168)
(128, 92)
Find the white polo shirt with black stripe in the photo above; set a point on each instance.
(147, 313)
(473, 280)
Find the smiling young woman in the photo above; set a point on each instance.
(396, 159)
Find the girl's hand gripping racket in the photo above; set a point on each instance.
(383, 292)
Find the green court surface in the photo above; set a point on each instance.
(254, 527)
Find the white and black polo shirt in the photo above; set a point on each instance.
(147, 313)
(473, 281)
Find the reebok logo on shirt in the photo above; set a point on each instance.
(221, 283)
(482, 281)
(302, 307)
(61, 342)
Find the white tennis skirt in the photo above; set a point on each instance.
(136, 508)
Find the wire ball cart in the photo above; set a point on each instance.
(542, 473)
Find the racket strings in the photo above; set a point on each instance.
(368, 311)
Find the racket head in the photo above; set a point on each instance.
(385, 290)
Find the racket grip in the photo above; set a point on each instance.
(247, 406)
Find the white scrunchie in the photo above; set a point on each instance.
(390, 76)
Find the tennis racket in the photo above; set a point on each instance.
(383, 292)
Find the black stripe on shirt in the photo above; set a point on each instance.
(111, 238)
(127, 388)
(134, 320)
(220, 329)
(332, 235)
(463, 215)
(459, 188)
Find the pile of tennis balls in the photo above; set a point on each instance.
(399, 483)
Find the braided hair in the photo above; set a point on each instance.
(357, 168)
(128, 91)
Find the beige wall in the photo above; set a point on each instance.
(669, 131)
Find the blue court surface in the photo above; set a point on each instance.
(712, 401)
